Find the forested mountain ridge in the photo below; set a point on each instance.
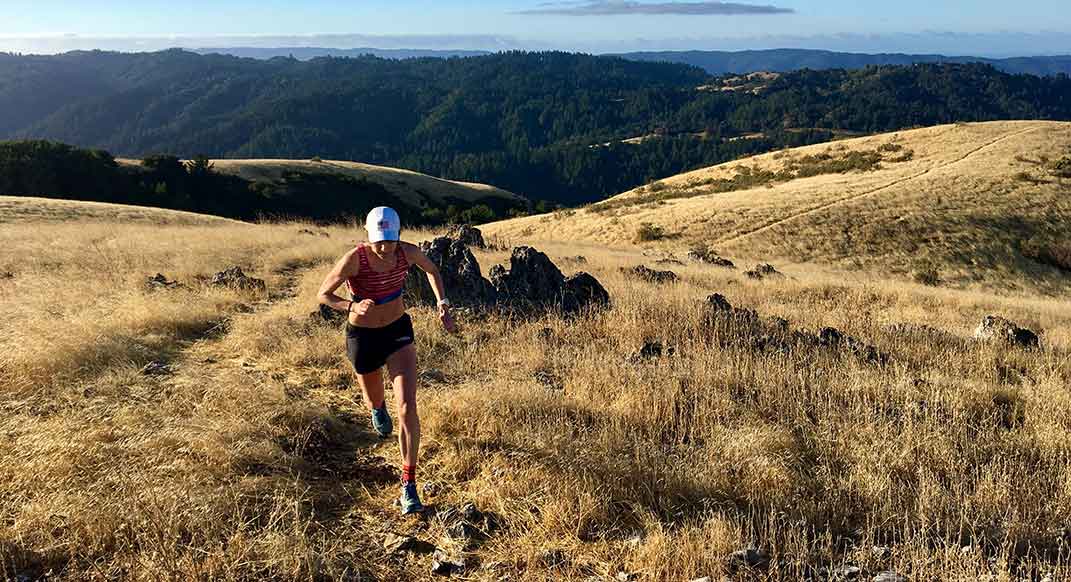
(785, 60)
(544, 125)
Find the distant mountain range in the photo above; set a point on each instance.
(713, 62)
(308, 53)
(785, 60)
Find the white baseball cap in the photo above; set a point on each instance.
(383, 224)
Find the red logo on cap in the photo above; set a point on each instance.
(384, 225)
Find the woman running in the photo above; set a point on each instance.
(379, 331)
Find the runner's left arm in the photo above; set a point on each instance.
(417, 257)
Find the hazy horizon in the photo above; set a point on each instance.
(984, 28)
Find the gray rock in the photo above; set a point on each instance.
(468, 235)
(650, 275)
(234, 278)
(157, 369)
(708, 256)
(763, 271)
(582, 292)
(432, 376)
(889, 576)
(703, 579)
(749, 558)
(444, 565)
(995, 328)
(849, 573)
(552, 558)
(159, 282)
(397, 544)
(532, 278)
(461, 275)
(652, 349)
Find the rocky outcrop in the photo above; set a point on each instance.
(996, 328)
(469, 235)
(533, 284)
(739, 326)
(583, 292)
(461, 274)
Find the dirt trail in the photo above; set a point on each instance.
(815, 209)
(351, 474)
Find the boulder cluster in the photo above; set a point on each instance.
(531, 285)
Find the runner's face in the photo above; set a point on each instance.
(384, 248)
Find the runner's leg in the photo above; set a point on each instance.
(402, 365)
(372, 388)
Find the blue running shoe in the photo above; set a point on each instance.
(409, 500)
(381, 421)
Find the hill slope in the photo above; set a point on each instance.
(410, 187)
(973, 200)
(32, 210)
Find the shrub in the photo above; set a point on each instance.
(649, 232)
(927, 276)
(1048, 252)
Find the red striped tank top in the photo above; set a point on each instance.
(379, 287)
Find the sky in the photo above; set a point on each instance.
(976, 27)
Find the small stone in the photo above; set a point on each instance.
(159, 282)
(996, 328)
(552, 558)
(763, 271)
(652, 349)
(625, 577)
(157, 369)
(889, 576)
(849, 572)
(433, 376)
(650, 275)
(471, 513)
(703, 579)
(396, 544)
(750, 558)
(444, 565)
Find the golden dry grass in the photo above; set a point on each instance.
(411, 187)
(254, 460)
(964, 202)
(26, 209)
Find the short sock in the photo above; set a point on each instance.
(408, 474)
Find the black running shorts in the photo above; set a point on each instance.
(369, 347)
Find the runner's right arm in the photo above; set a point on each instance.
(345, 268)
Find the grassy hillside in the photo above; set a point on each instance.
(410, 187)
(250, 456)
(971, 200)
(26, 209)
